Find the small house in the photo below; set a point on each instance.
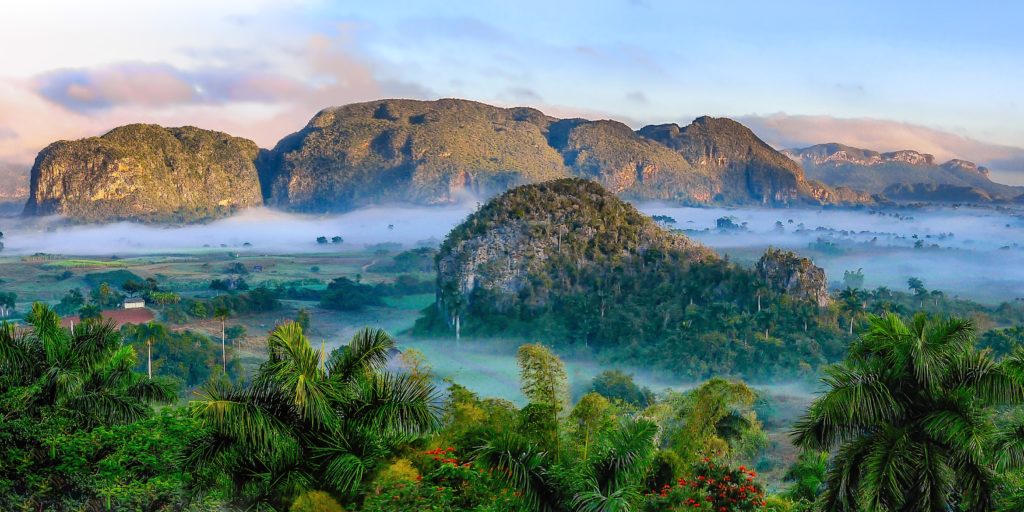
(134, 303)
(257, 268)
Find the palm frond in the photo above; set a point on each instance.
(400, 403)
(368, 351)
(523, 466)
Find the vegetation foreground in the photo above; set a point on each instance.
(915, 418)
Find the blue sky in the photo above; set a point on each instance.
(942, 77)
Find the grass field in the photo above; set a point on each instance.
(83, 264)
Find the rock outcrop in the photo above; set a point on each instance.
(788, 273)
(146, 173)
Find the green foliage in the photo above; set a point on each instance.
(186, 356)
(447, 483)
(910, 413)
(618, 385)
(716, 419)
(76, 427)
(308, 423)
(114, 278)
(344, 294)
(315, 501)
(611, 280)
(807, 476)
(713, 486)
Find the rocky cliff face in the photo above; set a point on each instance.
(434, 152)
(788, 273)
(746, 167)
(146, 173)
(408, 151)
(901, 175)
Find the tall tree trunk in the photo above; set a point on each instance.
(149, 358)
(458, 328)
(223, 350)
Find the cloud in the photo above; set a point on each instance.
(788, 131)
(131, 83)
(523, 94)
(161, 85)
(637, 97)
(260, 100)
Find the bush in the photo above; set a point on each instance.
(344, 294)
(315, 501)
(717, 487)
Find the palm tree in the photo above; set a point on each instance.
(222, 313)
(808, 476)
(303, 425)
(852, 300)
(910, 412)
(150, 332)
(86, 374)
(609, 479)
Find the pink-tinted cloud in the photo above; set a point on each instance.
(262, 104)
(789, 131)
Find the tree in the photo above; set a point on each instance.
(337, 239)
(853, 278)
(910, 413)
(852, 301)
(150, 332)
(7, 302)
(542, 376)
(545, 385)
(592, 415)
(302, 425)
(303, 318)
(917, 286)
(807, 475)
(344, 294)
(85, 375)
(616, 384)
(321, 239)
(90, 312)
(609, 479)
(222, 313)
(70, 302)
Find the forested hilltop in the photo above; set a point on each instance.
(568, 263)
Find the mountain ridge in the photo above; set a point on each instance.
(901, 175)
(440, 151)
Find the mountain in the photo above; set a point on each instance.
(745, 166)
(901, 175)
(146, 173)
(569, 263)
(434, 152)
(13, 182)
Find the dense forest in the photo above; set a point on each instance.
(915, 417)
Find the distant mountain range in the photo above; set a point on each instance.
(439, 152)
(901, 175)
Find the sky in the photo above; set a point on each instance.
(941, 77)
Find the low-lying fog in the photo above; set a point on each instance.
(977, 253)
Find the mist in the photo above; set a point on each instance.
(266, 231)
(975, 253)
